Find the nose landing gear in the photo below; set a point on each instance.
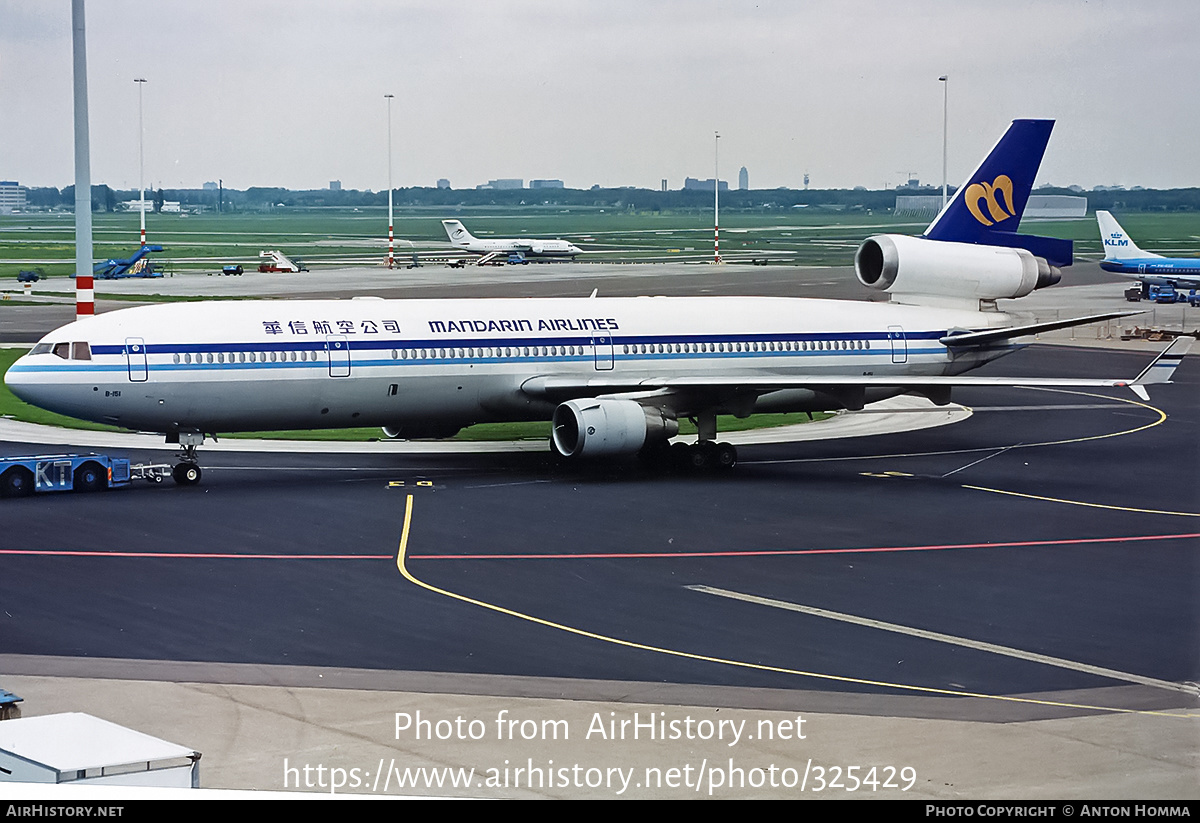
(187, 470)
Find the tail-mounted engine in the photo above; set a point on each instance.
(904, 265)
(591, 428)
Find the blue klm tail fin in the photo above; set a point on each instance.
(987, 209)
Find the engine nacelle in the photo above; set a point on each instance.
(914, 265)
(593, 428)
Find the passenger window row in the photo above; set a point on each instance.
(248, 357)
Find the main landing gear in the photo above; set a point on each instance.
(704, 455)
(187, 470)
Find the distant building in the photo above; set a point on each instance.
(12, 197)
(210, 186)
(664, 184)
(692, 184)
(546, 184)
(443, 183)
(505, 183)
(743, 179)
(335, 185)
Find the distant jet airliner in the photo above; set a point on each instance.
(463, 239)
(1121, 255)
(614, 375)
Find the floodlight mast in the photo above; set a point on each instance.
(716, 198)
(391, 235)
(945, 81)
(141, 161)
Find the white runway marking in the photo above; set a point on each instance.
(1187, 688)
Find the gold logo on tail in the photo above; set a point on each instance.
(987, 192)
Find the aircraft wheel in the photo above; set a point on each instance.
(90, 478)
(17, 482)
(186, 474)
(726, 456)
(702, 456)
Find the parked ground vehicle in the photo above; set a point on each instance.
(20, 476)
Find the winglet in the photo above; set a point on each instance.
(1162, 367)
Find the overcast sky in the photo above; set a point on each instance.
(610, 92)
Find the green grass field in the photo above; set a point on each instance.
(340, 237)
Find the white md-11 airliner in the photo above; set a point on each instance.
(615, 375)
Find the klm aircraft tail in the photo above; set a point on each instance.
(1117, 244)
(986, 210)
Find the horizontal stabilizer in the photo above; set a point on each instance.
(1054, 251)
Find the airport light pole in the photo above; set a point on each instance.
(945, 81)
(141, 81)
(716, 198)
(391, 236)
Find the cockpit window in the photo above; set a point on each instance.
(41, 348)
(81, 351)
(62, 350)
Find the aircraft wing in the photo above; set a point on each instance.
(983, 338)
(556, 388)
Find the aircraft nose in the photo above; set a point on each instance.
(17, 378)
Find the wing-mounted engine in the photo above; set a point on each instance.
(916, 266)
(597, 427)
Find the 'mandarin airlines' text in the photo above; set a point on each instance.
(547, 324)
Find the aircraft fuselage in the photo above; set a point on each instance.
(432, 366)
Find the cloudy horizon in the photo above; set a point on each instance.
(621, 93)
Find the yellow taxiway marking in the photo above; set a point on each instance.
(1081, 502)
(403, 568)
(1007, 651)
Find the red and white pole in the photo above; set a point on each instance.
(85, 296)
(85, 299)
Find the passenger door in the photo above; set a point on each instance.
(337, 347)
(135, 360)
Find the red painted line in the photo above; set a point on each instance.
(792, 552)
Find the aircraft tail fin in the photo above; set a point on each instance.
(987, 208)
(457, 232)
(1117, 244)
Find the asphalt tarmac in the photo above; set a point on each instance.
(1007, 605)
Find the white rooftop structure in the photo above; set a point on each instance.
(82, 749)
